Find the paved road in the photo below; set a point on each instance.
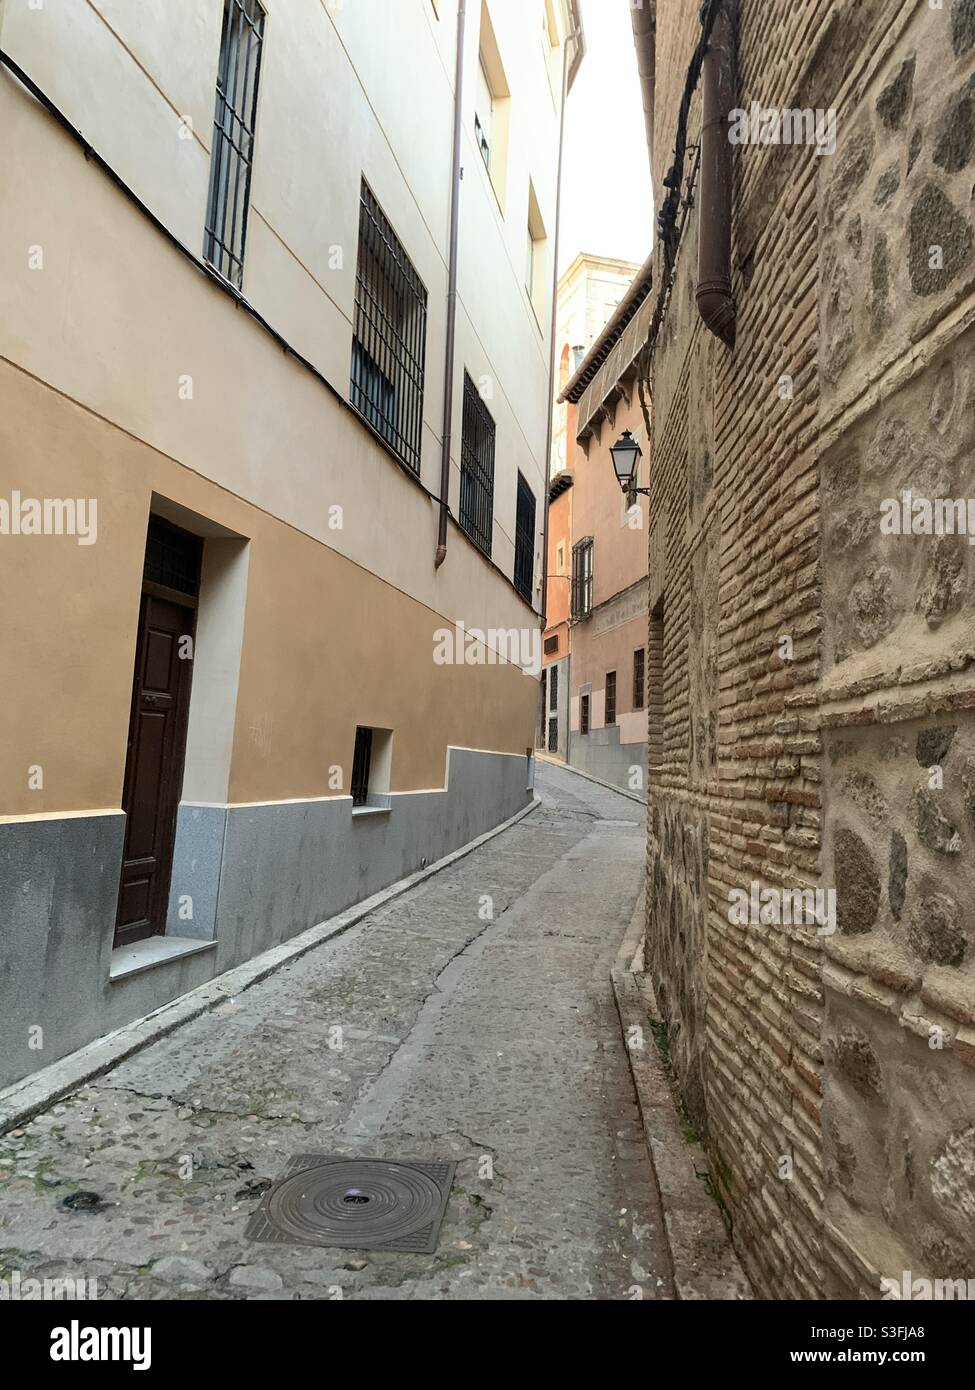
(476, 1024)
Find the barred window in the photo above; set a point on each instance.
(584, 714)
(610, 697)
(553, 735)
(361, 766)
(525, 540)
(232, 154)
(390, 334)
(477, 469)
(554, 688)
(582, 578)
(173, 557)
(639, 678)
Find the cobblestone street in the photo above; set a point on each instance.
(491, 1042)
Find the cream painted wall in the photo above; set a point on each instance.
(116, 318)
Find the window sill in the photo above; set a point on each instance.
(358, 811)
(127, 961)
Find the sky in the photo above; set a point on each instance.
(606, 195)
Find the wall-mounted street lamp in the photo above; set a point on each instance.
(626, 455)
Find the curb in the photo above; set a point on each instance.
(610, 786)
(27, 1098)
(705, 1265)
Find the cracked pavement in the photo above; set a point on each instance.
(470, 1019)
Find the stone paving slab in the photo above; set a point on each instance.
(428, 1030)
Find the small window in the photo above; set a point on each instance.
(551, 645)
(582, 578)
(232, 152)
(492, 108)
(584, 714)
(560, 558)
(553, 734)
(525, 540)
(550, 25)
(370, 769)
(361, 762)
(535, 263)
(389, 342)
(553, 688)
(476, 513)
(639, 678)
(610, 697)
(484, 113)
(173, 557)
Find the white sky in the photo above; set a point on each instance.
(606, 195)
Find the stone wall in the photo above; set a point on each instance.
(817, 682)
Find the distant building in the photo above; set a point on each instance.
(589, 292)
(607, 564)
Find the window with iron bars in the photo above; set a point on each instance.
(232, 155)
(582, 578)
(173, 557)
(610, 698)
(525, 540)
(553, 735)
(390, 335)
(476, 514)
(361, 763)
(553, 684)
(639, 678)
(584, 714)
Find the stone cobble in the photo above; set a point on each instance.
(469, 1020)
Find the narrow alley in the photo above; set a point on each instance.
(429, 1031)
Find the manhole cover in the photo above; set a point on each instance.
(355, 1204)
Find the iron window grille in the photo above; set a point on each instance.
(584, 714)
(361, 761)
(553, 735)
(232, 155)
(173, 557)
(553, 688)
(476, 514)
(610, 697)
(639, 678)
(582, 578)
(525, 540)
(390, 335)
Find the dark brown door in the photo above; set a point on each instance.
(154, 765)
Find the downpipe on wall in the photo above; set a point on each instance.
(715, 300)
(448, 385)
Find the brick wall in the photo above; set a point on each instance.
(838, 1137)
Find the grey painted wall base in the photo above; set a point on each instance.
(256, 875)
(601, 754)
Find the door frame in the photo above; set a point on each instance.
(159, 898)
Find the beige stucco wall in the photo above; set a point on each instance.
(326, 645)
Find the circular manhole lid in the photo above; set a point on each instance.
(355, 1203)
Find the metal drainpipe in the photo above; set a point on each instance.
(572, 38)
(714, 296)
(448, 390)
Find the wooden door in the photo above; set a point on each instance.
(154, 764)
